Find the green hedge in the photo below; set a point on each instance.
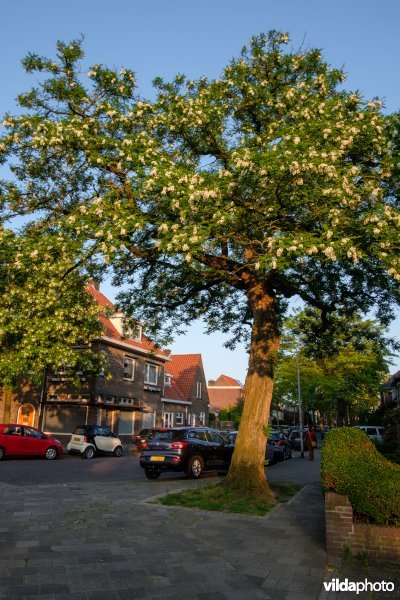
(353, 467)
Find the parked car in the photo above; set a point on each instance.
(269, 448)
(282, 446)
(188, 449)
(144, 436)
(20, 440)
(88, 440)
(375, 433)
(294, 439)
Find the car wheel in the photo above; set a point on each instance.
(195, 467)
(2, 453)
(88, 452)
(118, 451)
(152, 474)
(51, 453)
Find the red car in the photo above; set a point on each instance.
(20, 440)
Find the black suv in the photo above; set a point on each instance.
(189, 449)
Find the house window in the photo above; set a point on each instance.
(202, 418)
(129, 368)
(179, 419)
(198, 389)
(151, 373)
(167, 379)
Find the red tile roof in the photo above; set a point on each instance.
(225, 380)
(99, 297)
(112, 333)
(184, 368)
(173, 391)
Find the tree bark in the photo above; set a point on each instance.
(247, 471)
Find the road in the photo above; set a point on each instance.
(74, 469)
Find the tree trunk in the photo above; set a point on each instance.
(247, 471)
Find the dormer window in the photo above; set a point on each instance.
(133, 333)
(167, 379)
(125, 327)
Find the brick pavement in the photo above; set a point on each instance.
(89, 541)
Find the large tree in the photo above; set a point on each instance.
(218, 199)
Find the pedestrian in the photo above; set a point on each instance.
(311, 442)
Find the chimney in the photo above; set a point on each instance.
(95, 283)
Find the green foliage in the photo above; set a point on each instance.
(342, 362)
(391, 445)
(270, 177)
(232, 413)
(45, 311)
(352, 466)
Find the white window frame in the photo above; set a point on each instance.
(179, 418)
(148, 367)
(132, 361)
(198, 389)
(202, 418)
(167, 379)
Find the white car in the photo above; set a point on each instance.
(88, 440)
(376, 434)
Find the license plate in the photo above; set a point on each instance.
(76, 439)
(157, 458)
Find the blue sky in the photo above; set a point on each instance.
(166, 37)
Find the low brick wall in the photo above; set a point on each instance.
(342, 534)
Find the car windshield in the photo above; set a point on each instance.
(169, 436)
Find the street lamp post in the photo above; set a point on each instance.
(300, 408)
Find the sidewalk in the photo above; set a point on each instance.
(109, 541)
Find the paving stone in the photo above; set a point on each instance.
(64, 545)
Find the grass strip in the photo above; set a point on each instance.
(217, 498)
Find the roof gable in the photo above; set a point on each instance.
(184, 368)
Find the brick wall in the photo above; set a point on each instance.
(342, 534)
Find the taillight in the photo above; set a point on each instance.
(179, 445)
(85, 438)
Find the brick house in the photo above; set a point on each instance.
(390, 393)
(144, 387)
(185, 397)
(224, 392)
(128, 399)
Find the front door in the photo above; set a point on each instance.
(168, 419)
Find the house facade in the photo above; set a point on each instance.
(185, 398)
(224, 392)
(142, 387)
(390, 393)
